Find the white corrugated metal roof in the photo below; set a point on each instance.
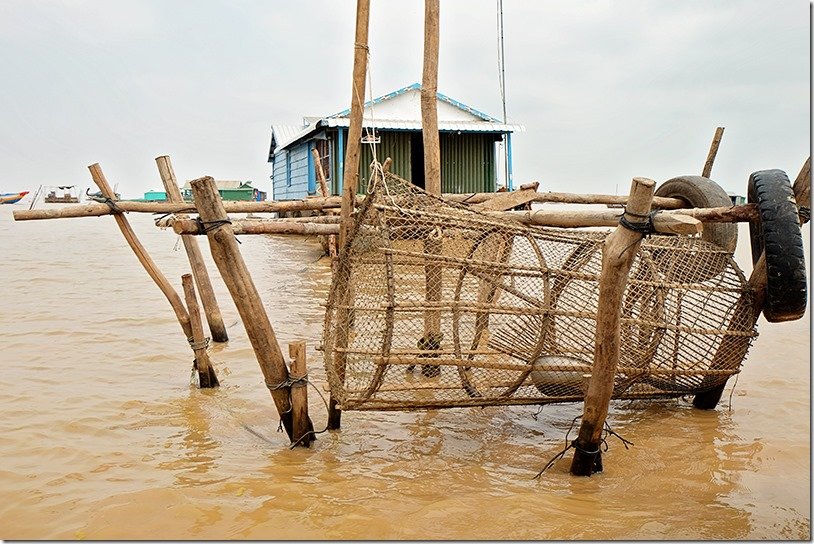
(282, 135)
(461, 126)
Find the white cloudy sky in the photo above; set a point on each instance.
(607, 90)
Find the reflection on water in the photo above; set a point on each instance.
(102, 436)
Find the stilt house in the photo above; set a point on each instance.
(392, 128)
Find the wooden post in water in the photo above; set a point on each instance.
(141, 253)
(196, 262)
(230, 263)
(206, 372)
(350, 176)
(618, 253)
(303, 429)
(713, 150)
(433, 244)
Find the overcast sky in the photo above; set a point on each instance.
(607, 90)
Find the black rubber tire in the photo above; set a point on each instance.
(778, 235)
(700, 192)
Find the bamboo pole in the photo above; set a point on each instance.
(141, 253)
(350, 177)
(207, 377)
(230, 263)
(303, 429)
(713, 150)
(618, 254)
(254, 226)
(210, 304)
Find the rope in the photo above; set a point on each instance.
(207, 226)
(203, 344)
(300, 381)
(110, 203)
(603, 441)
(645, 227)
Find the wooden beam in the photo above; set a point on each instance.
(193, 251)
(665, 223)
(618, 253)
(98, 209)
(259, 226)
(508, 200)
(235, 273)
(144, 258)
(713, 150)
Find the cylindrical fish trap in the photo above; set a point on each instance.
(436, 305)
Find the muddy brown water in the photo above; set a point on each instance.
(102, 436)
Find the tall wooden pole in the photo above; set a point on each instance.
(232, 267)
(350, 178)
(141, 253)
(618, 253)
(429, 93)
(433, 244)
(713, 150)
(206, 372)
(196, 262)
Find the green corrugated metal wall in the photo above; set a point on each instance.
(395, 145)
(467, 162)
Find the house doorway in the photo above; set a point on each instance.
(417, 158)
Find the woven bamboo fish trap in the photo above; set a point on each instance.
(437, 305)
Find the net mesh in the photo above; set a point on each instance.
(436, 305)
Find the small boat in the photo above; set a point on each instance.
(11, 198)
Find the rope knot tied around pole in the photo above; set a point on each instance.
(291, 381)
(110, 203)
(206, 226)
(203, 344)
(805, 213)
(645, 227)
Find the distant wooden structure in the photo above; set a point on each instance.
(62, 194)
(468, 138)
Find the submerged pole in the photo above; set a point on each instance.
(235, 273)
(303, 428)
(206, 372)
(618, 253)
(196, 262)
(141, 253)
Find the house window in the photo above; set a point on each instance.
(288, 169)
(324, 150)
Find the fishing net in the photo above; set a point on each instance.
(435, 305)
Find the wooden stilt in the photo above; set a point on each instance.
(210, 304)
(713, 150)
(303, 429)
(618, 254)
(141, 253)
(232, 267)
(350, 178)
(323, 186)
(206, 372)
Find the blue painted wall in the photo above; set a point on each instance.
(291, 173)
